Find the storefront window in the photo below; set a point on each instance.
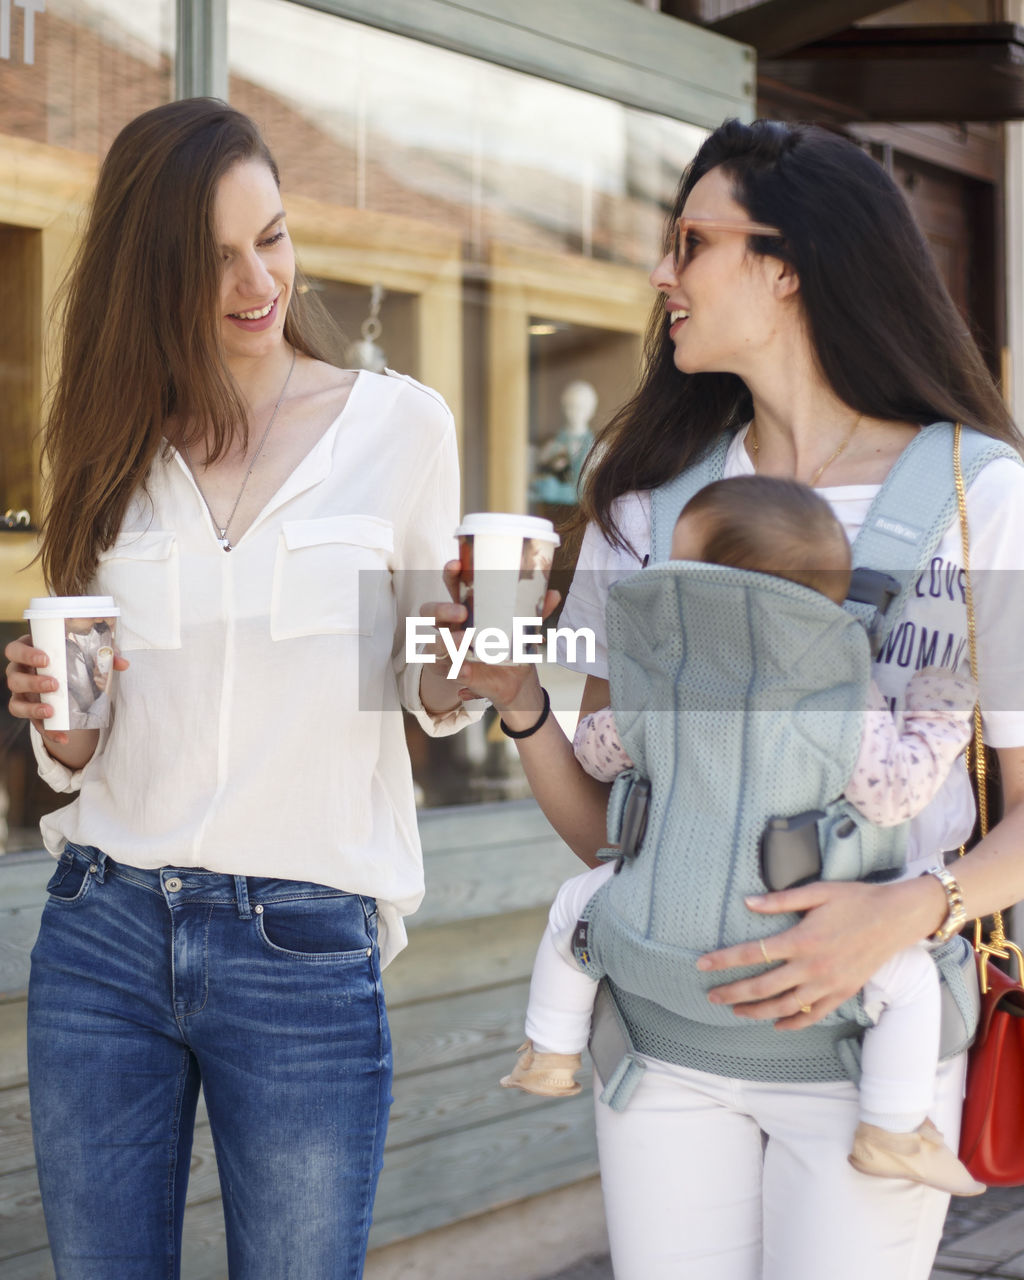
(578, 375)
(378, 327)
(509, 222)
(486, 231)
(72, 74)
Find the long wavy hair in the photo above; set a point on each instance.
(140, 340)
(886, 333)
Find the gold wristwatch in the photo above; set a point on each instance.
(956, 912)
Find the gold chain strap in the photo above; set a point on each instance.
(997, 944)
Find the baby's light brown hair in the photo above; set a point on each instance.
(769, 525)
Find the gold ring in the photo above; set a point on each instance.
(764, 951)
(805, 1008)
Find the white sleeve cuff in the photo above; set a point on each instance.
(445, 723)
(57, 776)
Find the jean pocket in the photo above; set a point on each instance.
(69, 884)
(339, 929)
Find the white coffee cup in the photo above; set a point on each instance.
(77, 634)
(506, 563)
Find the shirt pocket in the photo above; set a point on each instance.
(142, 572)
(328, 576)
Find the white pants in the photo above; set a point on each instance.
(900, 1051)
(707, 1178)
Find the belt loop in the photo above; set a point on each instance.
(99, 861)
(242, 898)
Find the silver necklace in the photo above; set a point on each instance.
(222, 533)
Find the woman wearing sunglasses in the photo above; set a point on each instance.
(800, 315)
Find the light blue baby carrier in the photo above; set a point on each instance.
(740, 698)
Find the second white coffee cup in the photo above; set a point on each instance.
(506, 563)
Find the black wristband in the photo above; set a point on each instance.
(528, 733)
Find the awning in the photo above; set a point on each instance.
(910, 73)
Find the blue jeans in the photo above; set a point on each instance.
(267, 992)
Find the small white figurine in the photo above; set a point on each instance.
(560, 459)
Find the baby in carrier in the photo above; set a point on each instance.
(782, 528)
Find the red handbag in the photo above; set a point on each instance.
(992, 1128)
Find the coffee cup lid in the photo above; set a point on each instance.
(508, 523)
(72, 607)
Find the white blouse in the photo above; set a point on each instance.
(258, 730)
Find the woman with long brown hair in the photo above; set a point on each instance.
(241, 849)
(800, 330)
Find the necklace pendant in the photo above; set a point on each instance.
(222, 533)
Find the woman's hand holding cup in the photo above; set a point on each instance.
(511, 688)
(29, 683)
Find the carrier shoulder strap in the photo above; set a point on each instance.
(669, 498)
(914, 508)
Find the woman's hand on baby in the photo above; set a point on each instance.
(847, 930)
(28, 686)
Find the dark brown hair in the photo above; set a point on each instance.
(773, 525)
(140, 341)
(887, 336)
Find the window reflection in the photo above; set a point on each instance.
(95, 66)
(369, 119)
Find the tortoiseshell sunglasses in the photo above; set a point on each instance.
(683, 225)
